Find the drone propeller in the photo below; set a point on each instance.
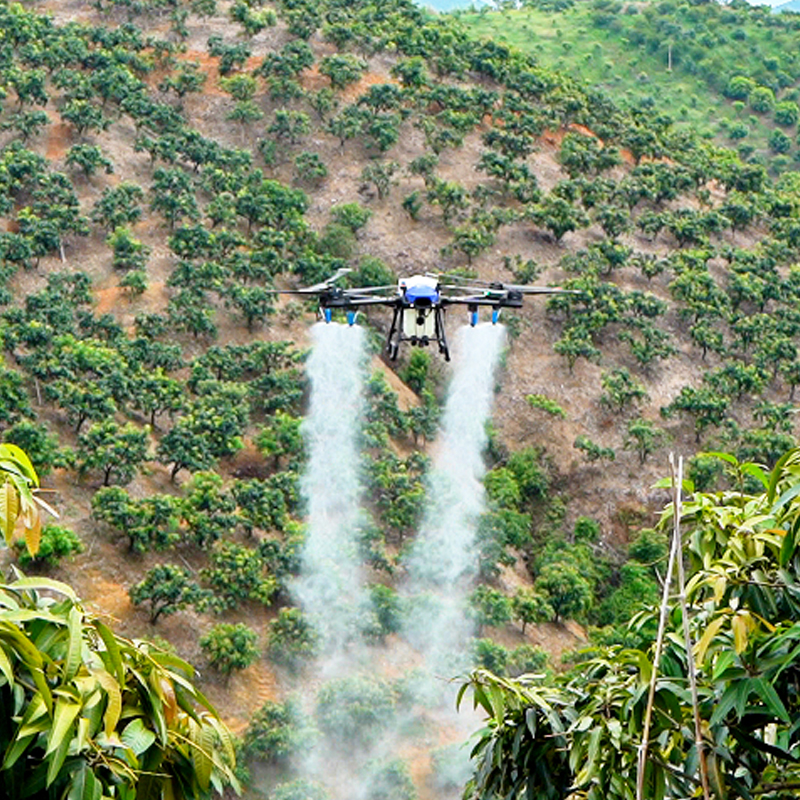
(326, 284)
(369, 289)
(317, 288)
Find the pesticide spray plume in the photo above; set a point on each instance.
(442, 561)
(330, 586)
(417, 666)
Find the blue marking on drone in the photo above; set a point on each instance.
(414, 293)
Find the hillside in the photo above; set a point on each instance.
(697, 63)
(166, 164)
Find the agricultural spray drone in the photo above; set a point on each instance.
(419, 304)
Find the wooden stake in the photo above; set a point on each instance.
(677, 483)
(648, 714)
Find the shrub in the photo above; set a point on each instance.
(56, 543)
(351, 215)
(545, 404)
(292, 638)
(230, 647)
(310, 168)
(526, 659)
(762, 99)
(337, 241)
(384, 612)
(586, 530)
(390, 781)
(355, 708)
(299, 790)
(276, 731)
(487, 654)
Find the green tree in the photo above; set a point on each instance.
(489, 607)
(704, 404)
(118, 206)
(277, 731)
(57, 543)
(291, 638)
(621, 390)
(167, 588)
(238, 574)
(342, 69)
(117, 451)
(89, 158)
(128, 252)
(643, 437)
(588, 730)
(230, 647)
(566, 590)
(529, 606)
(381, 175)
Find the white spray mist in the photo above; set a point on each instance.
(330, 587)
(442, 559)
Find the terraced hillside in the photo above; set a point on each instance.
(165, 164)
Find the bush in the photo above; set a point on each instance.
(762, 99)
(648, 547)
(230, 647)
(135, 282)
(390, 781)
(568, 592)
(487, 654)
(526, 659)
(355, 708)
(276, 731)
(337, 241)
(299, 790)
(415, 374)
(56, 543)
(351, 215)
(384, 612)
(586, 530)
(310, 168)
(292, 638)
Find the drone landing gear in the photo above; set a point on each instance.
(393, 340)
(440, 334)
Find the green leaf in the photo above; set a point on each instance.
(766, 691)
(19, 459)
(788, 546)
(63, 717)
(5, 666)
(112, 648)
(788, 495)
(775, 475)
(84, 785)
(137, 737)
(755, 471)
(75, 632)
(42, 583)
(706, 639)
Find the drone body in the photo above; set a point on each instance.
(419, 304)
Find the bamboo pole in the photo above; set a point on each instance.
(677, 484)
(648, 714)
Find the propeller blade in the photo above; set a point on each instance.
(370, 289)
(326, 284)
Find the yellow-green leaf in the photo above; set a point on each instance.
(740, 633)
(33, 533)
(114, 705)
(63, 717)
(112, 648)
(705, 640)
(9, 509)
